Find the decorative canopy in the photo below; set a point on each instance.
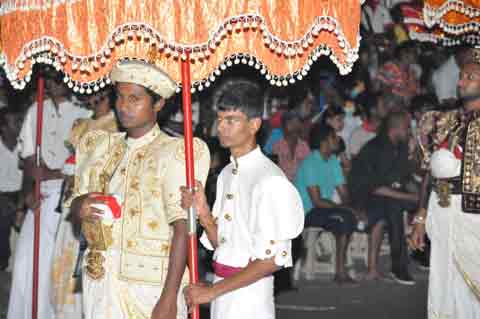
(84, 38)
(459, 20)
(412, 18)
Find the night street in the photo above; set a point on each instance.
(325, 300)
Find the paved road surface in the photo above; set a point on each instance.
(324, 300)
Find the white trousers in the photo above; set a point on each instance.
(454, 281)
(20, 303)
(254, 301)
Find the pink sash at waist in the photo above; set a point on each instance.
(225, 271)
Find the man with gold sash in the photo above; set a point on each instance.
(135, 265)
(451, 144)
(66, 289)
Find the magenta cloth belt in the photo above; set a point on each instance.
(225, 271)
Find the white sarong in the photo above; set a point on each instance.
(113, 298)
(20, 303)
(454, 261)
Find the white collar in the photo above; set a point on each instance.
(145, 139)
(247, 159)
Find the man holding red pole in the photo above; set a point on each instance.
(126, 196)
(59, 114)
(256, 215)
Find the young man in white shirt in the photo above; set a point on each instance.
(256, 215)
(59, 115)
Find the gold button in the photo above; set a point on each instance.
(228, 217)
(268, 251)
(134, 212)
(284, 253)
(229, 196)
(272, 242)
(123, 171)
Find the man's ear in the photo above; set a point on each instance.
(255, 124)
(159, 105)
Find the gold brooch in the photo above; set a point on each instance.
(94, 268)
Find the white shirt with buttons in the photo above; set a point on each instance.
(57, 124)
(258, 213)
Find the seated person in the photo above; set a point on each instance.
(318, 177)
(377, 184)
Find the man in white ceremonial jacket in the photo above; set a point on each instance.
(257, 213)
(453, 220)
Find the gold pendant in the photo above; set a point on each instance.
(95, 268)
(98, 235)
(444, 192)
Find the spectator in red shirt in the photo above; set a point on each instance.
(291, 150)
(397, 76)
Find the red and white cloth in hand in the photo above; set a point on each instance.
(445, 163)
(112, 209)
(457, 151)
(69, 166)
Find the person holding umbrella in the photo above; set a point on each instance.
(135, 264)
(59, 114)
(257, 213)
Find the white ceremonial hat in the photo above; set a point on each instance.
(144, 74)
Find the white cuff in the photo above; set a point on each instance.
(281, 250)
(206, 242)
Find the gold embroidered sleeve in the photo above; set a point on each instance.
(433, 129)
(78, 130)
(175, 177)
(89, 146)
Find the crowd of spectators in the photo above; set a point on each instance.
(347, 143)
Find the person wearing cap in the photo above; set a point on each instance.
(59, 114)
(451, 217)
(256, 214)
(66, 291)
(135, 266)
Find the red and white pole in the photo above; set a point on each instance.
(38, 180)
(190, 174)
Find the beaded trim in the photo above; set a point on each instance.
(9, 6)
(49, 50)
(433, 16)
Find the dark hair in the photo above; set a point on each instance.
(288, 116)
(49, 73)
(240, 95)
(318, 134)
(392, 101)
(342, 147)
(331, 111)
(298, 95)
(393, 120)
(4, 112)
(407, 46)
(423, 103)
(366, 103)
